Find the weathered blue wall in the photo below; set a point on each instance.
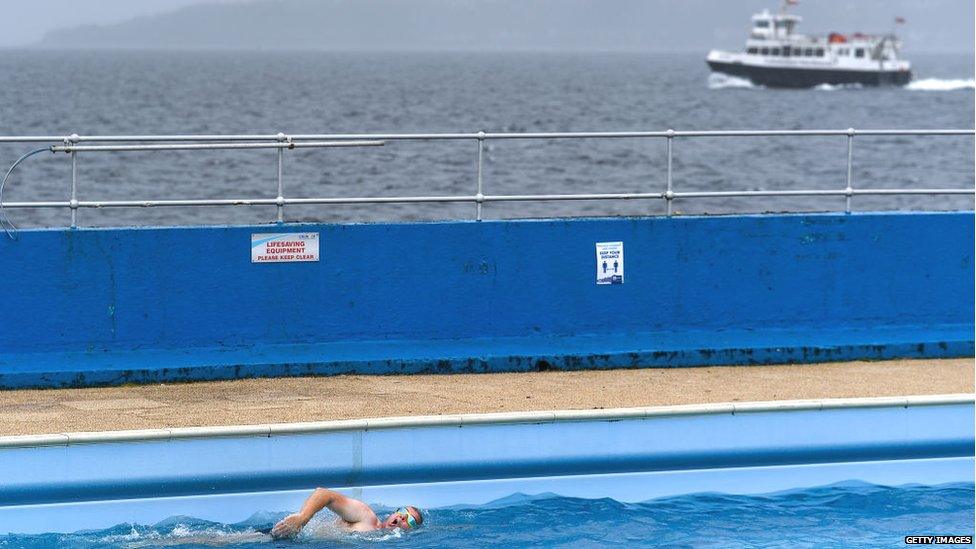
(120, 305)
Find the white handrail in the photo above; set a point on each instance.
(70, 144)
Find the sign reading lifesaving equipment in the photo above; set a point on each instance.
(284, 247)
(609, 262)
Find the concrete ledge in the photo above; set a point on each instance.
(461, 420)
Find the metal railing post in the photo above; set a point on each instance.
(73, 202)
(480, 196)
(669, 194)
(280, 200)
(850, 168)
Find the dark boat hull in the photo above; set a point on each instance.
(785, 77)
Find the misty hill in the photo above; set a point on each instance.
(499, 25)
(424, 25)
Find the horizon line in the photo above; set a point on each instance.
(286, 49)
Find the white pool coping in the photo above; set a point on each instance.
(460, 420)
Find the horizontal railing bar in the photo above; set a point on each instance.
(557, 197)
(474, 198)
(719, 133)
(823, 192)
(482, 135)
(241, 202)
(913, 191)
(229, 137)
(41, 204)
(215, 146)
(381, 200)
(801, 133)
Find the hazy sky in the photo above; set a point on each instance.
(24, 22)
(933, 25)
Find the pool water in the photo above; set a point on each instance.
(841, 515)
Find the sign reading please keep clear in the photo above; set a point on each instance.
(284, 247)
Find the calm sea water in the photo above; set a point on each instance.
(185, 92)
(844, 515)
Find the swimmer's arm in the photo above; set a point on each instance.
(350, 510)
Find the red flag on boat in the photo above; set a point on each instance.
(899, 20)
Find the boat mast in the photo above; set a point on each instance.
(783, 8)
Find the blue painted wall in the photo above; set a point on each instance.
(478, 296)
(227, 479)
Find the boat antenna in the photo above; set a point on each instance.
(899, 20)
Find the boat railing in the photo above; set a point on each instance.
(73, 145)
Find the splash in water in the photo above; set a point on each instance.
(719, 81)
(941, 84)
(835, 87)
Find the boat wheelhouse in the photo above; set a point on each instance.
(777, 56)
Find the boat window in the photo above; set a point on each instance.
(753, 50)
(808, 52)
(774, 51)
(820, 52)
(765, 51)
(859, 52)
(762, 24)
(786, 51)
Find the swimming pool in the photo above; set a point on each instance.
(848, 515)
(94, 481)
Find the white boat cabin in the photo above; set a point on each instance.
(773, 39)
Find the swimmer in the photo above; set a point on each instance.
(354, 515)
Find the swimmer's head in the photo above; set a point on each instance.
(406, 518)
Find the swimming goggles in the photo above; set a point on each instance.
(405, 515)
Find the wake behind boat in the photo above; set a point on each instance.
(776, 56)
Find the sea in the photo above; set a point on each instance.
(850, 515)
(185, 92)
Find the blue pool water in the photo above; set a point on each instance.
(848, 515)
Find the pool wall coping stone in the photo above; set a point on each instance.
(460, 420)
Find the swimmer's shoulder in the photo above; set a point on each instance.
(362, 526)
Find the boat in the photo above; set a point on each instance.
(776, 56)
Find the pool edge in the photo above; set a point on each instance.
(494, 418)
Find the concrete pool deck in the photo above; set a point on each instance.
(282, 400)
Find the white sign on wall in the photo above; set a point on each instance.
(609, 262)
(284, 247)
